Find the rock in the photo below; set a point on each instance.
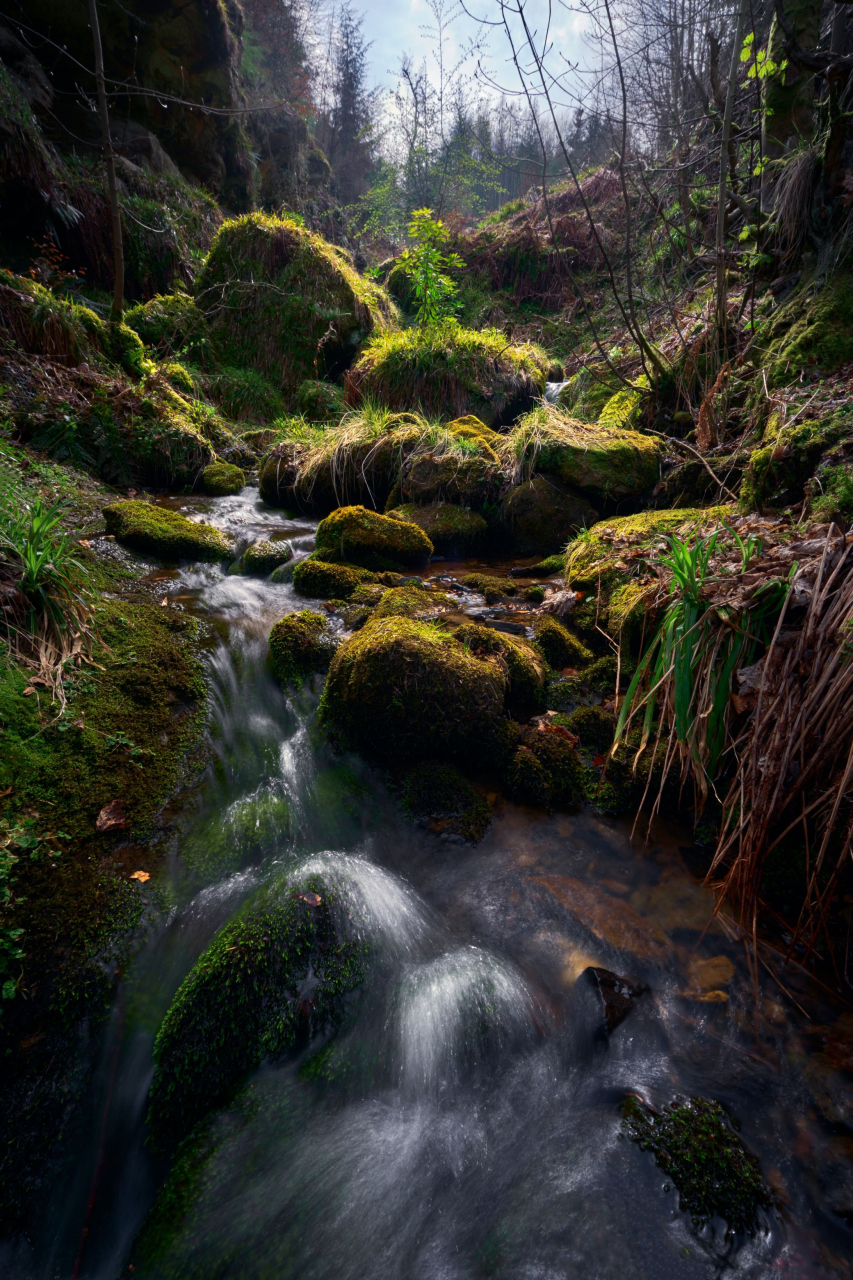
(358, 536)
(525, 670)
(603, 462)
(404, 690)
(263, 557)
(508, 628)
(300, 645)
(222, 478)
(463, 481)
(327, 581)
(545, 770)
(412, 601)
(541, 516)
(559, 645)
(144, 527)
(709, 975)
(607, 918)
(440, 796)
(168, 322)
(617, 995)
(277, 482)
(594, 726)
(494, 589)
(474, 429)
(454, 531)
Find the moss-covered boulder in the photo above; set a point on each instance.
(454, 531)
(320, 401)
(594, 726)
(450, 372)
(602, 462)
(170, 323)
(400, 690)
(560, 647)
(413, 601)
(144, 527)
(525, 669)
(243, 1002)
(542, 514)
(813, 329)
(475, 431)
(354, 535)
(284, 301)
(444, 800)
(545, 770)
(300, 645)
(222, 479)
(265, 556)
(466, 481)
(277, 481)
(321, 581)
(243, 394)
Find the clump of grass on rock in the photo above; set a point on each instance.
(144, 527)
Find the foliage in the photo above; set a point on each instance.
(427, 265)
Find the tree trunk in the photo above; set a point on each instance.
(789, 95)
(722, 194)
(115, 212)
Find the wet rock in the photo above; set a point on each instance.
(277, 482)
(607, 918)
(440, 796)
(265, 556)
(453, 530)
(464, 481)
(357, 536)
(617, 995)
(300, 645)
(541, 515)
(146, 528)
(320, 401)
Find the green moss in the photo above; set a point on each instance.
(541, 515)
(320, 401)
(549, 566)
(534, 594)
(603, 462)
(180, 378)
(412, 601)
(473, 429)
(593, 726)
(831, 494)
(595, 552)
(222, 478)
(401, 690)
(623, 408)
(525, 670)
(585, 394)
(244, 395)
(208, 1044)
(322, 581)
(265, 556)
(451, 372)
(439, 795)
(814, 329)
(694, 1143)
(144, 527)
(466, 481)
(780, 472)
(494, 589)
(300, 644)
(358, 536)
(453, 531)
(171, 323)
(231, 840)
(124, 347)
(545, 770)
(559, 645)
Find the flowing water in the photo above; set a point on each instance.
(466, 1123)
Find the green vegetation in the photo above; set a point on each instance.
(354, 535)
(411, 601)
(426, 264)
(525, 670)
(322, 581)
(147, 528)
(454, 531)
(594, 727)
(265, 556)
(545, 770)
(222, 478)
(559, 645)
(300, 645)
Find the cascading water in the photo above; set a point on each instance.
(464, 1122)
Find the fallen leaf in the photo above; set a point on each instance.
(84, 542)
(141, 876)
(705, 997)
(312, 899)
(597, 762)
(28, 691)
(164, 602)
(31, 1040)
(78, 724)
(112, 817)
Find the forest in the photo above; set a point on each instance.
(426, 673)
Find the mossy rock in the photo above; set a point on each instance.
(475, 431)
(320, 401)
(695, 1144)
(594, 727)
(222, 479)
(605, 463)
(300, 645)
(355, 535)
(560, 647)
(412, 601)
(541, 515)
(494, 589)
(450, 372)
(170, 323)
(146, 528)
(525, 670)
(403, 690)
(545, 770)
(453, 531)
(180, 378)
(279, 294)
(265, 556)
(473, 482)
(322, 581)
(249, 828)
(210, 1040)
(585, 394)
(440, 796)
(279, 474)
(596, 551)
(813, 330)
(780, 470)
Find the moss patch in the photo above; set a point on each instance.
(320, 401)
(355, 535)
(315, 578)
(440, 796)
(545, 770)
(453, 531)
(593, 726)
(814, 329)
(559, 645)
(412, 601)
(300, 644)
(541, 515)
(494, 589)
(596, 551)
(466, 481)
(144, 527)
(222, 478)
(525, 670)
(265, 556)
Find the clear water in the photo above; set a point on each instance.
(470, 1123)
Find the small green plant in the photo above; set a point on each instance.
(41, 556)
(763, 66)
(426, 264)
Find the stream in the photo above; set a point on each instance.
(469, 1123)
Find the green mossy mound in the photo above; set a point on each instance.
(813, 330)
(402, 690)
(355, 535)
(558, 644)
(229, 841)
(412, 601)
(244, 395)
(472, 481)
(603, 462)
(322, 581)
(320, 401)
(180, 377)
(594, 727)
(210, 1040)
(171, 323)
(494, 589)
(585, 394)
(474, 430)
(300, 645)
(694, 1143)
(450, 372)
(439, 795)
(146, 528)
(597, 550)
(545, 770)
(541, 515)
(791, 462)
(453, 531)
(282, 300)
(265, 556)
(525, 670)
(221, 479)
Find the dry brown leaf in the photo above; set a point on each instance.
(141, 876)
(112, 817)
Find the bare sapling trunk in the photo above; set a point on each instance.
(722, 194)
(109, 158)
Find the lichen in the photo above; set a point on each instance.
(300, 645)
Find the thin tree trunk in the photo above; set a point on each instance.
(115, 212)
(722, 195)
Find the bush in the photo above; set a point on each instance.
(320, 401)
(170, 323)
(300, 645)
(144, 527)
(355, 535)
(222, 478)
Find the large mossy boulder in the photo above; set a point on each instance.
(401, 690)
(321, 581)
(525, 668)
(559, 646)
(607, 544)
(470, 481)
(283, 301)
(412, 601)
(475, 431)
(602, 462)
(450, 372)
(812, 330)
(144, 527)
(354, 535)
(243, 1002)
(300, 645)
(222, 479)
(454, 531)
(541, 515)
